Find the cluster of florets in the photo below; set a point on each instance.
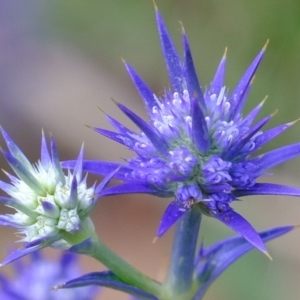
(197, 146)
(52, 207)
(183, 170)
(47, 201)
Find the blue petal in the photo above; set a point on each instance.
(233, 151)
(55, 160)
(200, 134)
(241, 226)
(23, 173)
(99, 167)
(218, 81)
(73, 199)
(8, 188)
(15, 150)
(105, 181)
(276, 157)
(31, 247)
(193, 84)
(45, 156)
(142, 88)
(107, 279)
(78, 166)
(270, 134)
(117, 137)
(247, 121)
(18, 205)
(9, 220)
(171, 56)
(217, 258)
(243, 85)
(174, 211)
(268, 189)
(134, 188)
(118, 126)
(158, 142)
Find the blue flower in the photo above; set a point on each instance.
(52, 208)
(35, 279)
(197, 146)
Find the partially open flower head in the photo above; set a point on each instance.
(52, 208)
(197, 146)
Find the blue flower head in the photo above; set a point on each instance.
(52, 208)
(197, 146)
(35, 279)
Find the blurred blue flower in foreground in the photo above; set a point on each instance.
(197, 146)
(52, 208)
(35, 279)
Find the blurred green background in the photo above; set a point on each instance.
(60, 59)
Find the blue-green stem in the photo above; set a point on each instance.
(95, 248)
(121, 268)
(179, 280)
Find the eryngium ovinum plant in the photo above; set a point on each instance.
(197, 148)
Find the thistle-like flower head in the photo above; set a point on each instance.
(197, 146)
(52, 208)
(34, 279)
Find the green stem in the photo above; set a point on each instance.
(179, 280)
(121, 268)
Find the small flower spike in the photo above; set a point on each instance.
(197, 146)
(34, 279)
(52, 209)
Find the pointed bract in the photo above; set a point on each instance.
(45, 156)
(200, 134)
(172, 214)
(105, 181)
(144, 91)
(171, 56)
(237, 99)
(117, 125)
(268, 189)
(237, 148)
(238, 224)
(133, 188)
(107, 279)
(155, 139)
(14, 150)
(23, 173)
(30, 247)
(99, 167)
(214, 260)
(193, 83)
(218, 81)
(117, 137)
(277, 156)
